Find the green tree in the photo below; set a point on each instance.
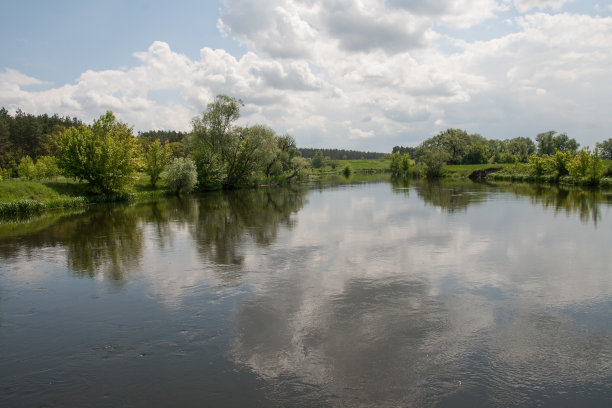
(540, 165)
(251, 151)
(317, 160)
(548, 142)
(400, 164)
(434, 159)
(46, 167)
(605, 149)
(181, 175)
(586, 166)
(215, 128)
(105, 154)
(214, 140)
(521, 147)
(27, 168)
(156, 157)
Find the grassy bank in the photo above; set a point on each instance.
(19, 197)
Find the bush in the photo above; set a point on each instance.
(347, 171)
(27, 168)
(434, 160)
(46, 167)
(181, 175)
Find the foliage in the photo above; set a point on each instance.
(347, 171)
(586, 166)
(28, 135)
(548, 143)
(400, 164)
(340, 154)
(317, 160)
(156, 157)
(230, 156)
(181, 175)
(559, 162)
(434, 159)
(605, 148)
(252, 150)
(46, 167)
(105, 154)
(540, 165)
(283, 163)
(27, 168)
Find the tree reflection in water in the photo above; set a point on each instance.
(455, 196)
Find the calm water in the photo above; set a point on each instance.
(373, 294)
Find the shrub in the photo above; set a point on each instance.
(181, 175)
(27, 168)
(347, 171)
(434, 160)
(46, 167)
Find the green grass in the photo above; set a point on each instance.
(28, 197)
(464, 170)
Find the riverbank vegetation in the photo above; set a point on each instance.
(50, 161)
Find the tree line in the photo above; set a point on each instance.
(456, 146)
(215, 154)
(340, 154)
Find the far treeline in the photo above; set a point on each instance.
(553, 155)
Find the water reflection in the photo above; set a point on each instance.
(423, 294)
(407, 306)
(108, 241)
(223, 219)
(456, 196)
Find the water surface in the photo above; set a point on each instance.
(386, 294)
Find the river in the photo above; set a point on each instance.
(333, 294)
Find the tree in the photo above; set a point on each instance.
(181, 175)
(434, 159)
(212, 138)
(105, 154)
(586, 167)
(156, 157)
(400, 164)
(46, 167)
(27, 168)
(251, 150)
(605, 148)
(521, 147)
(214, 128)
(547, 142)
(317, 160)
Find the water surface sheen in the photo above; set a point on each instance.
(372, 294)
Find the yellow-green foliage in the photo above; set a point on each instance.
(586, 166)
(27, 168)
(46, 167)
(400, 164)
(156, 158)
(105, 155)
(540, 165)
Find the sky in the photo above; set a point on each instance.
(351, 74)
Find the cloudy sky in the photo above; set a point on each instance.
(355, 74)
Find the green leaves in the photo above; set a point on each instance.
(105, 155)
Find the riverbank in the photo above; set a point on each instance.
(19, 197)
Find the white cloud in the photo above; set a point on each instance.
(524, 6)
(310, 71)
